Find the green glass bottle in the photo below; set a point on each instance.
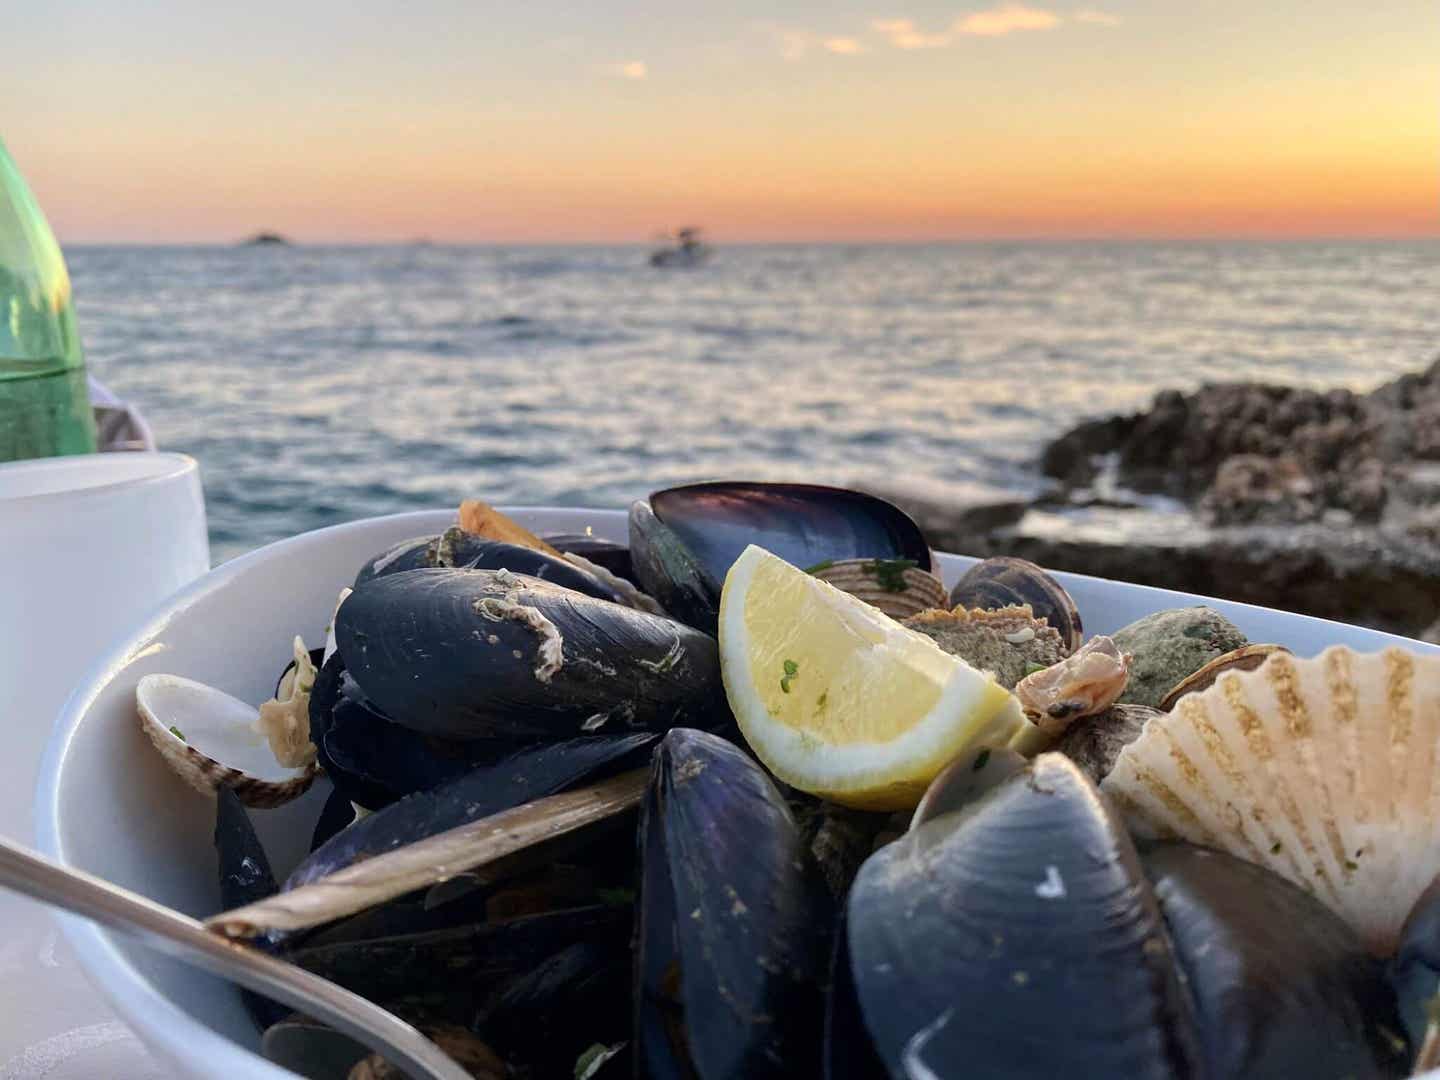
(44, 396)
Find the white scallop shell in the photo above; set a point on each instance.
(1326, 771)
(211, 740)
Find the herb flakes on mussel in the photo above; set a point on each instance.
(490, 654)
(734, 923)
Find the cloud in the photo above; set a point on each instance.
(904, 34)
(1099, 18)
(796, 44)
(631, 69)
(1005, 19)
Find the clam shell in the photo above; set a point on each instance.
(218, 744)
(896, 589)
(1004, 581)
(1007, 642)
(1323, 770)
(1245, 658)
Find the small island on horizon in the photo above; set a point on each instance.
(263, 239)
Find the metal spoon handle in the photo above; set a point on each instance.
(186, 939)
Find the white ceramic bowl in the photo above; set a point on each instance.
(107, 804)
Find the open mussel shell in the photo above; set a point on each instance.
(734, 923)
(1282, 987)
(1245, 658)
(210, 740)
(895, 586)
(1005, 581)
(458, 550)
(1415, 969)
(804, 524)
(964, 780)
(489, 654)
(1017, 937)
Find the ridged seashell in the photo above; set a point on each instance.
(211, 740)
(895, 586)
(1010, 643)
(1326, 771)
(1245, 658)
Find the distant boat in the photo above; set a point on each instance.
(685, 249)
(264, 239)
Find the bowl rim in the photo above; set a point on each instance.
(203, 1051)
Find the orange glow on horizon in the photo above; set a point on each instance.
(1006, 120)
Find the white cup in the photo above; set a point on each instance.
(89, 544)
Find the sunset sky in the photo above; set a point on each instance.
(480, 121)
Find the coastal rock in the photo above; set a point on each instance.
(1320, 502)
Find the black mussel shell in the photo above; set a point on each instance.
(848, 1052)
(522, 777)
(1282, 987)
(1415, 969)
(603, 553)
(804, 524)
(452, 973)
(1018, 937)
(245, 877)
(487, 654)
(666, 569)
(376, 761)
(1002, 581)
(578, 997)
(457, 549)
(310, 1049)
(734, 922)
(336, 814)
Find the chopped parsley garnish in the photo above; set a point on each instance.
(1031, 667)
(176, 732)
(890, 573)
(981, 760)
(791, 670)
(823, 564)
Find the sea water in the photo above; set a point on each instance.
(318, 385)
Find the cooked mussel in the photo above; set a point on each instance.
(733, 922)
(1005, 581)
(683, 540)
(1017, 938)
(1282, 987)
(490, 654)
(245, 877)
(456, 549)
(1023, 935)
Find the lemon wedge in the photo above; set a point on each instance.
(840, 700)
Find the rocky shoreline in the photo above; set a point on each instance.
(1321, 502)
